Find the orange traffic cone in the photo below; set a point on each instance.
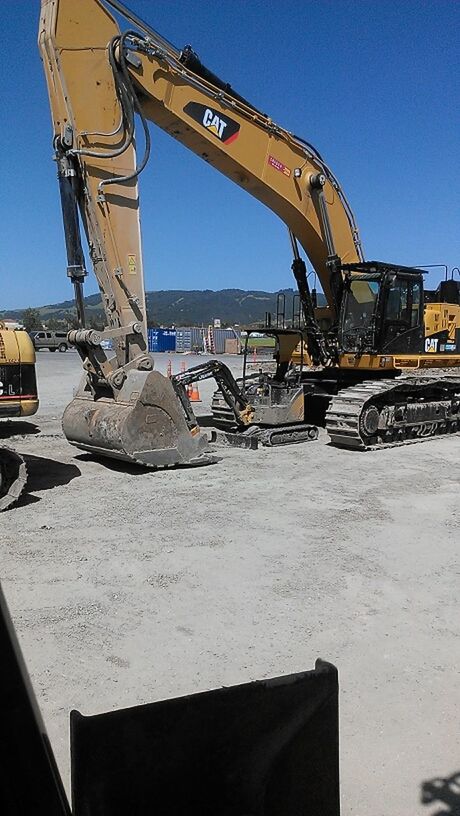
(195, 395)
(189, 389)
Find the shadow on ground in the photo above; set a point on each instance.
(121, 466)
(12, 427)
(206, 421)
(44, 474)
(117, 465)
(444, 792)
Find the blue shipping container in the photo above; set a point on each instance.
(162, 339)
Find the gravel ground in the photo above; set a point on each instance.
(128, 587)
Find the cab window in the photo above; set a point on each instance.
(415, 305)
(403, 303)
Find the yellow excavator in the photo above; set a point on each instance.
(18, 398)
(387, 358)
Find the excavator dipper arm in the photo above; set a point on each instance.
(122, 408)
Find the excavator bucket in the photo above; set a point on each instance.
(268, 748)
(145, 425)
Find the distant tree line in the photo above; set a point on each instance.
(32, 321)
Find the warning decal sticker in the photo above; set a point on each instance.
(279, 166)
(132, 266)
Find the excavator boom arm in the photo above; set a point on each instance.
(99, 78)
(271, 164)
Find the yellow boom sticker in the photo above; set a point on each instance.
(132, 267)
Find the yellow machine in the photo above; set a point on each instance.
(18, 398)
(379, 323)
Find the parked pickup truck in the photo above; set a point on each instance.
(51, 340)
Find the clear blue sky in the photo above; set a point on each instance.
(373, 84)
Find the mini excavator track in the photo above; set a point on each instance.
(287, 435)
(379, 414)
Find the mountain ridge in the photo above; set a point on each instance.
(180, 307)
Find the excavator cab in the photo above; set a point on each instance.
(381, 310)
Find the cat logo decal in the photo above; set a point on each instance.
(431, 345)
(222, 127)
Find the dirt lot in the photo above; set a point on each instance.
(127, 587)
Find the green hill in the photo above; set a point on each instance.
(183, 308)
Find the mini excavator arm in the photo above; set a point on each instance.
(231, 391)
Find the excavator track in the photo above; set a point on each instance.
(13, 477)
(380, 414)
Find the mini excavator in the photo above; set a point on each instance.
(386, 361)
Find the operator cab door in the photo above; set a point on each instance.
(402, 318)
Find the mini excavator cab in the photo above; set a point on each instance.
(381, 310)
